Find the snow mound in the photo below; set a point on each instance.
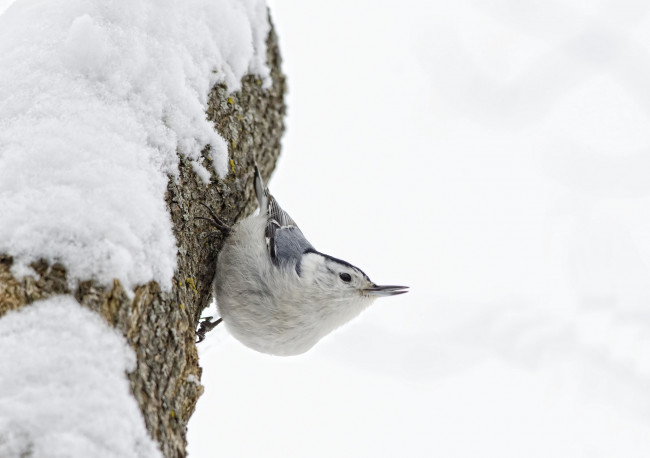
(96, 100)
(64, 391)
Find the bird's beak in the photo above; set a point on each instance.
(385, 290)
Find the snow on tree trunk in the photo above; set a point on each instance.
(158, 322)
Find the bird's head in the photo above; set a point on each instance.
(339, 281)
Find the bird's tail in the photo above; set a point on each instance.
(261, 192)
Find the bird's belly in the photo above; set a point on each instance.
(258, 312)
(267, 327)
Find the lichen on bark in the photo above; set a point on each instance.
(160, 326)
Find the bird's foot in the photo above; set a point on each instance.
(215, 220)
(206, 326)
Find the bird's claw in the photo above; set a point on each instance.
(214, 220)
(206, 326)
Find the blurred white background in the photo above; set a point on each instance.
(495, 157)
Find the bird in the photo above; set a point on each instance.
(274, 291)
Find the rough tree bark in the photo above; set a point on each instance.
(160, 326)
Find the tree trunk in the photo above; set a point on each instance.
(160, 326)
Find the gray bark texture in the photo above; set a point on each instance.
(160, 326)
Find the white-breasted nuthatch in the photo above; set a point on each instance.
(276, 293)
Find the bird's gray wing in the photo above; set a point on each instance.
(284, 239)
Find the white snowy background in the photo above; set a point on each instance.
(493, 156)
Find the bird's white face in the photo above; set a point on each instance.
(346, 279)
(341, 281)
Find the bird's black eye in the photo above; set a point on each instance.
(345, 277)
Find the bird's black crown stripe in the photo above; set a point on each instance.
(337, 260)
